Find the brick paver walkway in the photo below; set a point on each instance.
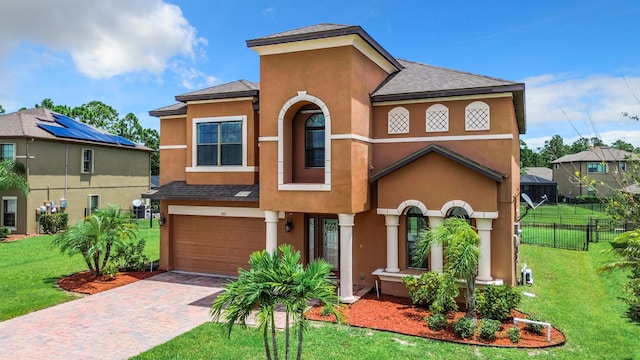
(114, 324)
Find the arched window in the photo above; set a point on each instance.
(477, 116)
(437, 118)
(416, 221)
(398, 121)
(459, 212)
(314, 141)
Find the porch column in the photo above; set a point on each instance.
(392, 222)
(436, 250)
(484, 263)
(345, 221)
(271, 218)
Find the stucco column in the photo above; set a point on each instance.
(345, 221)
(392, 222)
(484, 263)
(271, 218)
(436, 250)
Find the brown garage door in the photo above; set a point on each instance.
(215, 245)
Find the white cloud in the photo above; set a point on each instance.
(104, 38)
(574, 107)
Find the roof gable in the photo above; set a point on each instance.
(235, 89)
(473, 165)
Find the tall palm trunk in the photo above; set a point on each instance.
(471, 298)
(286, 336)
(265, 339)
(273, 335)
(300, 335)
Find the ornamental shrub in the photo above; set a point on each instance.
(498, 301)
(423, 290)
(514, 334)
(445, 300)
(54, 223)
(130, 256)
(437, 322)
(4, 232)
(464, 327)
(488, 329)
(534, 328)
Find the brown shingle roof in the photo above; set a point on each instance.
(179, 190)
(321, 31)
(598, 153)
(175, 109)
(240, 88)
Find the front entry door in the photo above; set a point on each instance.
(323, 240)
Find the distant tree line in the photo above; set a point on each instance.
(555, 148)
(105, 117)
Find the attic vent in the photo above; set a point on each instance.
(477, 116)
(243, 193)
(398, 121)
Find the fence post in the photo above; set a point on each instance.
(588, 234)
(554, 235)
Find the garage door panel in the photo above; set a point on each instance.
(215, 245)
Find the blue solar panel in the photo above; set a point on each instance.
(72, 129)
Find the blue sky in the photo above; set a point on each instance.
(580, 60)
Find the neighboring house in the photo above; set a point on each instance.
(538, 187)
(344, 152)
(541, 172)
(599, 171)
(70, 164)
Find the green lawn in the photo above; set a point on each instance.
(569, 293)
(29, 270)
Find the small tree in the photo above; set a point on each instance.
(627, 246)
(96, 237)
(276, 278)
(461, 254)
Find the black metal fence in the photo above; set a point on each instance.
(565, 232)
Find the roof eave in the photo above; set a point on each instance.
(159, 113)
(217, 96)
(351, 30)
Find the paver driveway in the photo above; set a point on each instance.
(114, 324)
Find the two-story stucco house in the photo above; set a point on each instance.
(600, 171)
(70, 165)
(345, 152)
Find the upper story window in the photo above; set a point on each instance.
(7, 152)
(459, 212)
(622, 166)
(87, 161)
(220, 141)
(416, 221)
(398, 121)
(477, 116)
(437, 118)
(314, 141)
(597, 167)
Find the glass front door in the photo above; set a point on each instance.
(323, 239)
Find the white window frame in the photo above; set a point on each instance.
(14, 150)
(89, 197)
(437, 108)
(398, 111)
(93, 161)
(477, 105)
(225, 168)
(10, 198)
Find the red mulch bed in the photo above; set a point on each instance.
(390, 313)
(86, 283)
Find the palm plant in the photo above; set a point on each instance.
(461, 254)
(272, 279)
(11, 176)
(96, 237)
(627, 246)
